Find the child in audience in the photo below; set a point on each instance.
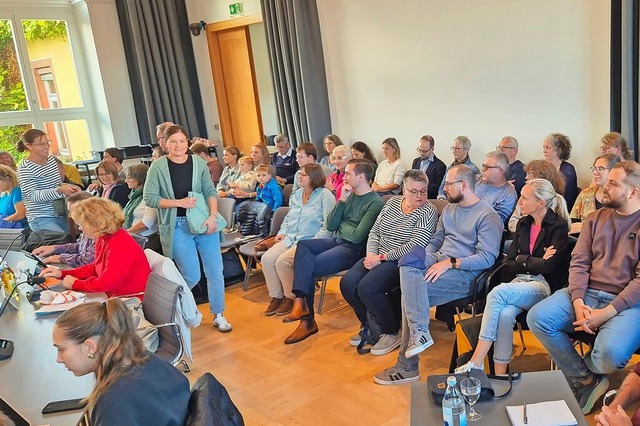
(246, 183)
(268, 191)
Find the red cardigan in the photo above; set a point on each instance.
(120, 267)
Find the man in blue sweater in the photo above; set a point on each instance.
(466, 242)
(492, 186)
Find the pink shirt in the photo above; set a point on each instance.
(533, 236)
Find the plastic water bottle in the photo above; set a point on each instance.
(453, 410)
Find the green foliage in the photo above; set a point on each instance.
(9, 136)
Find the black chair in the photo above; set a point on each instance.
(211, 405)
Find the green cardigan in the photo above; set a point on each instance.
(158, 186)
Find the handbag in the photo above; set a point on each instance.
(266, 243)
(437, 384)
(198, 214)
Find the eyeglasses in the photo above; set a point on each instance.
(604, 149)
(455, 148)
(451, 183)
(104, 174)
(502, 148)
(488, 167)
(340, 158)
(424, 151)
(415, 192)
(47, 143)
(599, 169)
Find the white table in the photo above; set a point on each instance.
(31, 378)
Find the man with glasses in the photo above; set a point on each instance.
(307, 153)
(493, 188)
(460, 149)
(431, 165)
(516, 175)
(160, 128)
(466, 242)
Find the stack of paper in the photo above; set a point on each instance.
(549, 413)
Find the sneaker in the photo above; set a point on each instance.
(273, 306)
(395, 376)
(587, 395)
(386, 344)
(465, 368)
(418, 341)
(221, 323)
(357, 338)
(285, 307)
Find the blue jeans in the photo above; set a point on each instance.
(186, 247)
(503, 304)
(55, 224)
(419, 296)
(617, 339)
(318, 257)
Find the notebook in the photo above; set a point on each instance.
(549, 413)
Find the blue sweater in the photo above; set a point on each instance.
(270, 194)
(502, 198)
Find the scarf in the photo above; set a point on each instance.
(135, 198)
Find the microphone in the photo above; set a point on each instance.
(4, 255)
(28, 288)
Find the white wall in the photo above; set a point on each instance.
(481, 69)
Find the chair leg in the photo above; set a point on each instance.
(247, 272)
(323, 288)
(182, 365)
(524, 346)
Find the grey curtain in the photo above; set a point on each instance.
(297, 65)
(625, 67)
(162, 68)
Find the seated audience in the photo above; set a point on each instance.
(341, 156)
(350, 220)
(215, 167)
(614, 414)
(284, 160)
(160, 129)
(307, 153)
(405, 222)
(40, 182)
(231, 171)
(466, 242)
(138, 217)
(614, 143)
(244, 187)
(460, 149)
(79, 253)
(308, 211)
(111, 187)
(602, 298)
(260, 155)
(132, 387)
(12, 211)
(6, 159)
(556, 149)
(538, 169)
(492, 186)
(115, 156)
(156, 153)
(430, 164)
(120, 266)
(361, 151)
(516, 174)
(268, 191)
(390, 171)
(69, 174)
(330, 142)
(534, 268)
(590, 199)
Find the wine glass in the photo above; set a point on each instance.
(470, 388)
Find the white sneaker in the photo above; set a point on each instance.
(418, 341)
(221, 323)
(386, 344)
(465, 368)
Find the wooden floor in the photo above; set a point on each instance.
(320, 381)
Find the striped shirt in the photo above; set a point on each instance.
(395, 233)
(39, 186)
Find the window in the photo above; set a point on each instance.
(42, 83)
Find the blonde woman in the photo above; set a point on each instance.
(391, 170)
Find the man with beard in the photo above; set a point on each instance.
(466, 242)
(603, 292)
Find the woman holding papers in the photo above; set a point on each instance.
(535, 267)
(133, 387)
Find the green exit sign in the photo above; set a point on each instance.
(235, 9)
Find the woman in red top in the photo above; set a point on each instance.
(120, 267)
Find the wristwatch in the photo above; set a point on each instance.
(454, 261)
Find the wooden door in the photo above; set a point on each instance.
(236, 88)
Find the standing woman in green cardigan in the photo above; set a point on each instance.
(169, 180)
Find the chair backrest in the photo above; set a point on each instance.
(387, 197)
(210, 404)
(278, 218)
(225, 208)
(286, 193)
(7, 236)
(159, 306)
(439, 205)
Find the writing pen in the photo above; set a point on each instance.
(525, 414)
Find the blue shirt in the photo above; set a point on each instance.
(270, 194)
(307, 221)
(8, 202)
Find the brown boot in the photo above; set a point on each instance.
(307, 327)
(273, 306)
(285, 307)
(298, 311)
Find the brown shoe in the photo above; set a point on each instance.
(298, 311)
(273, 306)
(285, 307)
(307, 327)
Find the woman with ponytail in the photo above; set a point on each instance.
(535, 267)
(133, 387)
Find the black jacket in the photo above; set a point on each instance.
(435, 173)
(555, 232)
(119, 193)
